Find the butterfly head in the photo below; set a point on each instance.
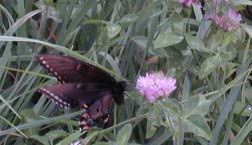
(119, 90)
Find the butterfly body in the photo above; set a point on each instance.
(82, 85)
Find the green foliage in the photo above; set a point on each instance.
(212, 102)
(124, 134)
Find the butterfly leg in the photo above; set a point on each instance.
(86, 122)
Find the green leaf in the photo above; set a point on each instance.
(197, 124)
(194, 110)
(50, 136)
(71, 35)
(128, 19)
(177, 24)
(243, 133)
(113, 30)
(134, 144)
(91, 136)
(165, 39)
(241, 2)
(242, 109)
(101, 143)
(196, 105)
(29, 115)
(229, 36)
(208, 66)
(196, 43)
(151, 130)
(248, 93)
(141, 41)
(56, 134)
(113, 63)
(155, 115)
(172, 106)
(70, 138)
(161, 52)
(248, 29)
(154, 120)
(124, 135)
(40, 139)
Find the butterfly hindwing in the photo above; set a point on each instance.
(97, 112)
(68, 70)
(70, 95)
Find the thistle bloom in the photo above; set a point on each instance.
(189, 2)
(155, 85)
(229, 21)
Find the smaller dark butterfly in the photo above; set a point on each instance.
(82, 85)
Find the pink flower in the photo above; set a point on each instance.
(155, 85)
(229, 21)
(189, 2)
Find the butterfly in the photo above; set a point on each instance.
(82, 85)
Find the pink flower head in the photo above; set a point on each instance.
(229, 21)
(189, 2)
(155, 85)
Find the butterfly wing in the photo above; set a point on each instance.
(68, 70)
(72, 95)
(97, 112)
(84, 85)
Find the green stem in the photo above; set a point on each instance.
(124, 122)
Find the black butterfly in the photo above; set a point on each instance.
(82, 85)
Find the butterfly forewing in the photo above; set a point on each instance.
(67, 70)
